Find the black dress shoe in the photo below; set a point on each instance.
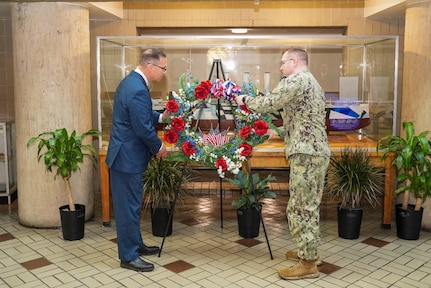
(138, 265)
(148, 250)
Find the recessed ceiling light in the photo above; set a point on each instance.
(239, 31)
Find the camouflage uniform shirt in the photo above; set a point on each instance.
(301, 103)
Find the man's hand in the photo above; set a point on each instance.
(163, 152)
(239, 100)
(271, 133)
(166, 114)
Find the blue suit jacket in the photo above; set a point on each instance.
(133, 139)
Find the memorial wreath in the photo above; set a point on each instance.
(223, 150)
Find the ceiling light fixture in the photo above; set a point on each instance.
(256, 2)
(239, 31)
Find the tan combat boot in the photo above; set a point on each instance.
(302, 270)
(293, 255)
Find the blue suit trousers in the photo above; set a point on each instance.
(127, 199)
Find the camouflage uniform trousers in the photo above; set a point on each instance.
(307, 180)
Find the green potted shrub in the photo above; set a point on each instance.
(411, 157)
(354, 179)
(62, 154)
(161, 181)
(249, 204)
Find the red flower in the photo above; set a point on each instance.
(178, 124)
(172, 106)
(171, 137)
(221, 163)
(245, 131)
(189, 148)
(260, 127)
(245, 109)
(202, 91)
(247, 149)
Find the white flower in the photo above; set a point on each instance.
(235, 171)
(220, 172)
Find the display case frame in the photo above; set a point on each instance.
(369, 64)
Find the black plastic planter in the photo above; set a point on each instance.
(248, 222)
(72, 222)
(349, 222)
(408, 222)
(159, 221)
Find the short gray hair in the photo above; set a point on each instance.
(300, 53)
(151, 55)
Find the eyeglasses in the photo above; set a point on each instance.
(284, 61)
(163, 68)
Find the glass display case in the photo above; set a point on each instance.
(358, 74)
(8, 183)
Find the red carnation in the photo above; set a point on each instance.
(247, 149)
(171, 137)
(245, 131)
(245, 109)
(178, 124)
(221, 162)
(188, 148)
(172, 106)
(202, 91)
(260, 127)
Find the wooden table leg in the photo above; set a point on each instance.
(387, 198)
(104, 190)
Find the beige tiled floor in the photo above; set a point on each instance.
(200, 253)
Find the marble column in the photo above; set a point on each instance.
(51, 44)
(416, 104)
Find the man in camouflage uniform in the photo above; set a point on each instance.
(300, 101)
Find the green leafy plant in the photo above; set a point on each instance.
(62, 153)
(161, 180)
(412, 159)
(353, 177)
(253, 189)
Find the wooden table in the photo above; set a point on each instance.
(271, 155)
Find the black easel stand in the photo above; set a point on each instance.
(217, 66)
(171, 211)
(260, 210)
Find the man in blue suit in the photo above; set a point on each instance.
(133, 142)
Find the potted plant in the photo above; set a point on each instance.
(62, 154)
(161, 181)
(412, 160)
(354, 179)
(249, 205)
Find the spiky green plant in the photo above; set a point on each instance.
(353, 177)
(162, 179)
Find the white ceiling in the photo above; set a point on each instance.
(95, 13)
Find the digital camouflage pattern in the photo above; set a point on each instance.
(307, 178)
(301, 103)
